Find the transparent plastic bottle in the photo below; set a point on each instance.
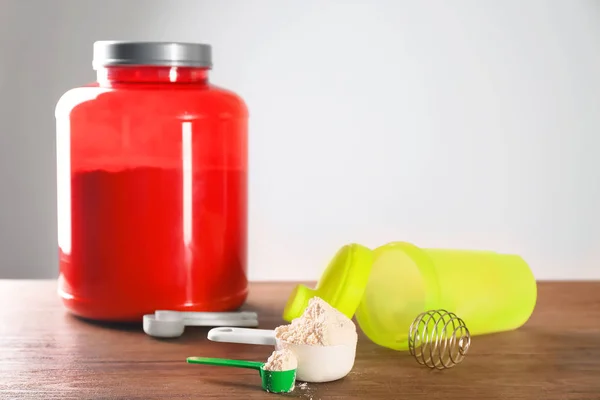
(152, 185)
(385, 289)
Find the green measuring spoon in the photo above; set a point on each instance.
(272, 381)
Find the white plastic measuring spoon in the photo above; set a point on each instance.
(315, 363)
(244, 336)
(171, 324)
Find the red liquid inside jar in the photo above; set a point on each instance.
(152, 194)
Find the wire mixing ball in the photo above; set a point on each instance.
(438, 339)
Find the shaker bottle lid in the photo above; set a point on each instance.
(171, 54)
(342, 284)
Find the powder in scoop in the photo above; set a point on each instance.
(320, 324)
(281, 360)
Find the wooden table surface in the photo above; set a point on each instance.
(47, 354)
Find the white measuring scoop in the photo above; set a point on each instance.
(315, 363)
(171, 324)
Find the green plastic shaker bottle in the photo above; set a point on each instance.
(386, 288)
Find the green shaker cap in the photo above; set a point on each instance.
(342, 284)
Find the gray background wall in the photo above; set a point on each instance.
(470, 124)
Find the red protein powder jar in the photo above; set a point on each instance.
(152, 185)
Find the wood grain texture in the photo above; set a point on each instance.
(47, 354)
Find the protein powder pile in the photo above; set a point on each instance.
(281, 360)
(321, 325)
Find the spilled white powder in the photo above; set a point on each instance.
(321, 325)
(281, 360)
(306, 391)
